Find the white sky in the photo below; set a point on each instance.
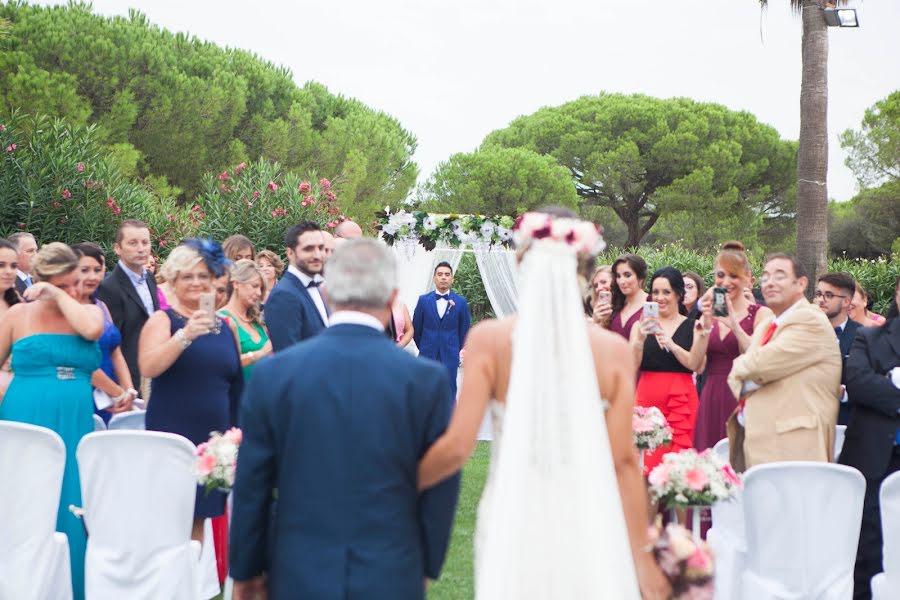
(452, 72)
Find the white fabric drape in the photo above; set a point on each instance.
(415, 272)
(498, 271)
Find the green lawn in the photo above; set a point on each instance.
(457, 579)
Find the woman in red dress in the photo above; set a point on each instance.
(669, 352)
(628, 295)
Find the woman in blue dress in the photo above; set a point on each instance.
(194, 360)
(113, 377)
(53, 340)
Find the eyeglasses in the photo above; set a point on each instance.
(776, 278)
(829, 295)
(191, 277)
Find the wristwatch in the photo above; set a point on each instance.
(185, 342)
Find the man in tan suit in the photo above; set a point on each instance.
(787, 381)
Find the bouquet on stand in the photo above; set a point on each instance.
(650, 429)
(687, 562)
(217, 460)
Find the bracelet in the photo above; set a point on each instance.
(182, 338)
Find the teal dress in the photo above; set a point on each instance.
(52, 388)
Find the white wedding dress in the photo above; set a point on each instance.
(550, 522)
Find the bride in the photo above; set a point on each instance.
(563, 513)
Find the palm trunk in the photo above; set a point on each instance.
(812, 159)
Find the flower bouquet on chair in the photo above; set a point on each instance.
(217, 460)
(690, 479)
(650, 430)
(687, 562)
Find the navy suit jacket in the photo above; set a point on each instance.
(437, 338)
(338, 425)
(291, 313)
(846, 342)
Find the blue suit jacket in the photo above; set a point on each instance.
(338, 424)
(437, 338)
(846, 342)
(291, 313)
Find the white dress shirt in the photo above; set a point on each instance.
(314, 292)
(354, 317)
(140, 286)
(442, 304)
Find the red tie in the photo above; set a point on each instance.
(768, 334)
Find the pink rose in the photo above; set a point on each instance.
(207, 464)
(304, 187)
(641, 425)
(202, 448)
(696, 479)
(80, 167)
(273, 186)
(324, 184)
(234, 435)
(659, 476)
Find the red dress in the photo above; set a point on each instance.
(669, 386)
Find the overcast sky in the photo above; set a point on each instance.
(452, 72)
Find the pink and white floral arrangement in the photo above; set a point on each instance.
(687, 562)
(650, 428)
(584, 236)
(689, 478)
(217, 460)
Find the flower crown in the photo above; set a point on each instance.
(211, 253)
(584, 236)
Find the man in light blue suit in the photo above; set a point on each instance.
(441, 322)
(337, 424)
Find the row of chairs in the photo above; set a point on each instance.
(135, 419)
(794, 530)
(138, 490)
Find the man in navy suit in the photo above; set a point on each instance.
(441, 322)
(296, 308)
(338, 425)
(834, 291)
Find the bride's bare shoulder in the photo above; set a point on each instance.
(489, 332)
(611, 348)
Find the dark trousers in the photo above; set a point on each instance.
(868, 556)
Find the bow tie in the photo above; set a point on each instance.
(442, 296)
(314, 284)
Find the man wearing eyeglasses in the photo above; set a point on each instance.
(788, 380)
(834, 291)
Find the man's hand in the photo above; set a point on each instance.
(251, 589)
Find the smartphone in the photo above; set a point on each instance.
(651, 311)
(720, 308)
(604, 297)
(208, 305)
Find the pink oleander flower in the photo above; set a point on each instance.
(331, 196)
(249, 204)
(331, 225)
(696, 479)
(304, 203)
(80, 167)
(304, 187)
(659, 475)
(206, 464)
(11, 147)
(55, 204)
(324, 184)
(224, 176)
(2, 127)
(195, 208)
(279, 212)
(113, 206)
(273, 186)
(254, 195)
(171, 218)
(66, 194)
(238, 169)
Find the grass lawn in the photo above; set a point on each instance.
(457, 580)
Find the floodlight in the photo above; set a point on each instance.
(841, 17)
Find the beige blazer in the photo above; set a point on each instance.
(793, 415)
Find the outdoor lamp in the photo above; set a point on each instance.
(841, 17)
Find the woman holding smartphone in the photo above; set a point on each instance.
(628, 295)
(668, 352)
(729, 336)
(194, 360)
(600, 297)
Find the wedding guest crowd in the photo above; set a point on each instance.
(272, 267)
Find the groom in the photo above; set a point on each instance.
(441, 322)
(337, 424)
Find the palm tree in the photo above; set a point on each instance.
(812, 156)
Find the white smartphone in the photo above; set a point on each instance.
(651, 311)
(208, 305)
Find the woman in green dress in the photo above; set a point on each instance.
(53, 340)
(245, 290)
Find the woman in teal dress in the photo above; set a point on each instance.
(54, 352)
(245, 291)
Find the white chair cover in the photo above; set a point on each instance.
(208, 573)
(727, 540)
(802, 529)
(34, 557)
(839, 434)
(721, 449)
(99, 425)
(129, 420)
(138, 490)
(886, 586)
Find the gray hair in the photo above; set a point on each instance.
(361, 273)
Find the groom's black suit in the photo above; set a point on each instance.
(338, 424)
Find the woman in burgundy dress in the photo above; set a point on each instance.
(728, 338)
(628, 295)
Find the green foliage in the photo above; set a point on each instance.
(56, 183)
(649, 159)
(873, 152)
(468, 284)
(261, 201)
(189, 107)
(868, 225)
(505, 181)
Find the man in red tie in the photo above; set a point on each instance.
(787, 380)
